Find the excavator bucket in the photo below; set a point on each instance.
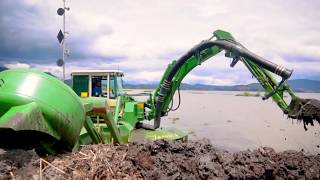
(306, 110)
(38, 111)
(24, 126)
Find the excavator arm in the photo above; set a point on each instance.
(260, 68)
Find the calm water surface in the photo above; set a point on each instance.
(238, 123)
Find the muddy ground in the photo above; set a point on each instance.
(160, 160)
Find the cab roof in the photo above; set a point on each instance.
(96, 72)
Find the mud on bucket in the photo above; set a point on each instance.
(306, 110)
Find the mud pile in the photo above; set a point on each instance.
(162, 160)
(18, 163)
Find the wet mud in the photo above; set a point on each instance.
(18, 164)
(160, 160)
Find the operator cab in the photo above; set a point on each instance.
(97, 83)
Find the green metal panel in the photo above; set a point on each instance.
(130, 114)
(80, 83)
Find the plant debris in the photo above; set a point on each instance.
(160, 159)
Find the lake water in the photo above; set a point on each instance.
(238, 123)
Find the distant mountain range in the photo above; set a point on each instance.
(298, 85)
(3, 68)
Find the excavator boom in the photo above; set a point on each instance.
(260, 68)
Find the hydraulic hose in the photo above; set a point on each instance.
(167, 82)
(231, 46)
(242, 51)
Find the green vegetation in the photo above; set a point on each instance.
(249, 94)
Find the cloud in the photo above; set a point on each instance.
(17, 65)
(29, 30)
(298, 58)
(142, 37)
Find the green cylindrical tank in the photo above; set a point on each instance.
(31, 101)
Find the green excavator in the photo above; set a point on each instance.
(39, 111)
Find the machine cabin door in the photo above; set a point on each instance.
(80, 84)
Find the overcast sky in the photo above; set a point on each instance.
(141, 37)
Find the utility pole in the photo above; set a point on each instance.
(62, 38)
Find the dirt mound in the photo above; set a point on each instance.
(164, 160)
(20, 163)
